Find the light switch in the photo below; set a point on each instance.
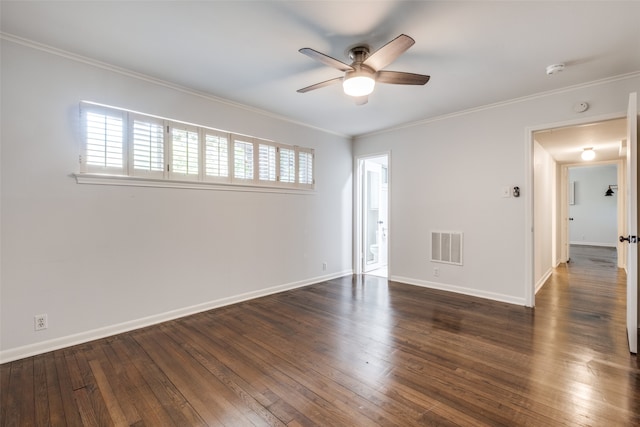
(506, 192)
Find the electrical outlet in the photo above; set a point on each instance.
(40, 322)
(324, 266)
(436, 272)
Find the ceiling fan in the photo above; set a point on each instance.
(366, 69)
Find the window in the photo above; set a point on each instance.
(216, 155)
(104, 141)
(305, 167)
(267, 162)
(243, 159)
(287, 165)
(125, 144)
(184, 152)
(147, 145)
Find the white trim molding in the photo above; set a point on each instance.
(543, 279)
(459, 290)
(130, 181)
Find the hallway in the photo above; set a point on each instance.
(580, 327)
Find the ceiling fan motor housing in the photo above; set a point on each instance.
(359, 54)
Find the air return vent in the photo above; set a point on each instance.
(446, 246)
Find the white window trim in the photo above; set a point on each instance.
(133, 181)
(168, 178)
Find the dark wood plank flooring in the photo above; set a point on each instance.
(356, 351)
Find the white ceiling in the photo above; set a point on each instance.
(565, 145)
(476, 52)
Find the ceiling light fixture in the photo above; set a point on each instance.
(358, 82)
(609, 191)
(588, 154)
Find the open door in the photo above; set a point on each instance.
(632, 223)
(374, 217)
(571, 194)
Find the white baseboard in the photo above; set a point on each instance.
(544, 278)
(94, 334)
(460, 290)
(604, 245)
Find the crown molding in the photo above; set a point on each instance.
(154, 80)
(499, 104)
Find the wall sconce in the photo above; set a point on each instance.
(609, 191)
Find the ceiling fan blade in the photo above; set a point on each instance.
(389, 52)
(361, 100)
(325, 59)
(319, 85)
(401, 78)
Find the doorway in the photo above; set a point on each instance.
(593, 208)
(552, 150)
(372, 237)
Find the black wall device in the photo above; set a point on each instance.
(516, 191)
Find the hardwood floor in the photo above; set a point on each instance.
(356, 351)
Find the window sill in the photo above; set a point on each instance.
(132, 181)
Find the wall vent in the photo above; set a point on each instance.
(446, 247)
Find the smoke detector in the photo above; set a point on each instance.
(580, 107)
(554, 69)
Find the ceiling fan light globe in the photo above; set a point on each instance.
(358, 85)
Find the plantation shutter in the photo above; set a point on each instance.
(147, 146)
(243, 159)
(123, 143)
(104, 140)
(216, 155)
(184, 151)
(267, 162)
(305, 168)
(287, 165)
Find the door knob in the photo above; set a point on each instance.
(630, 239)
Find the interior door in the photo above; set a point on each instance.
(632, 223)
(372, 226)
(571, 194)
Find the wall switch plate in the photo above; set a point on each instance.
(506, 192)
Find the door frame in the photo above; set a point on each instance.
(358, 183)
(632, 222)
(529, 270)
(563, 234)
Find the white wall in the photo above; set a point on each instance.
(544, 214)
(448, 173)
(595, 220)
(102, 259)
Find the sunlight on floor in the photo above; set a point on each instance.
(380, 272)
